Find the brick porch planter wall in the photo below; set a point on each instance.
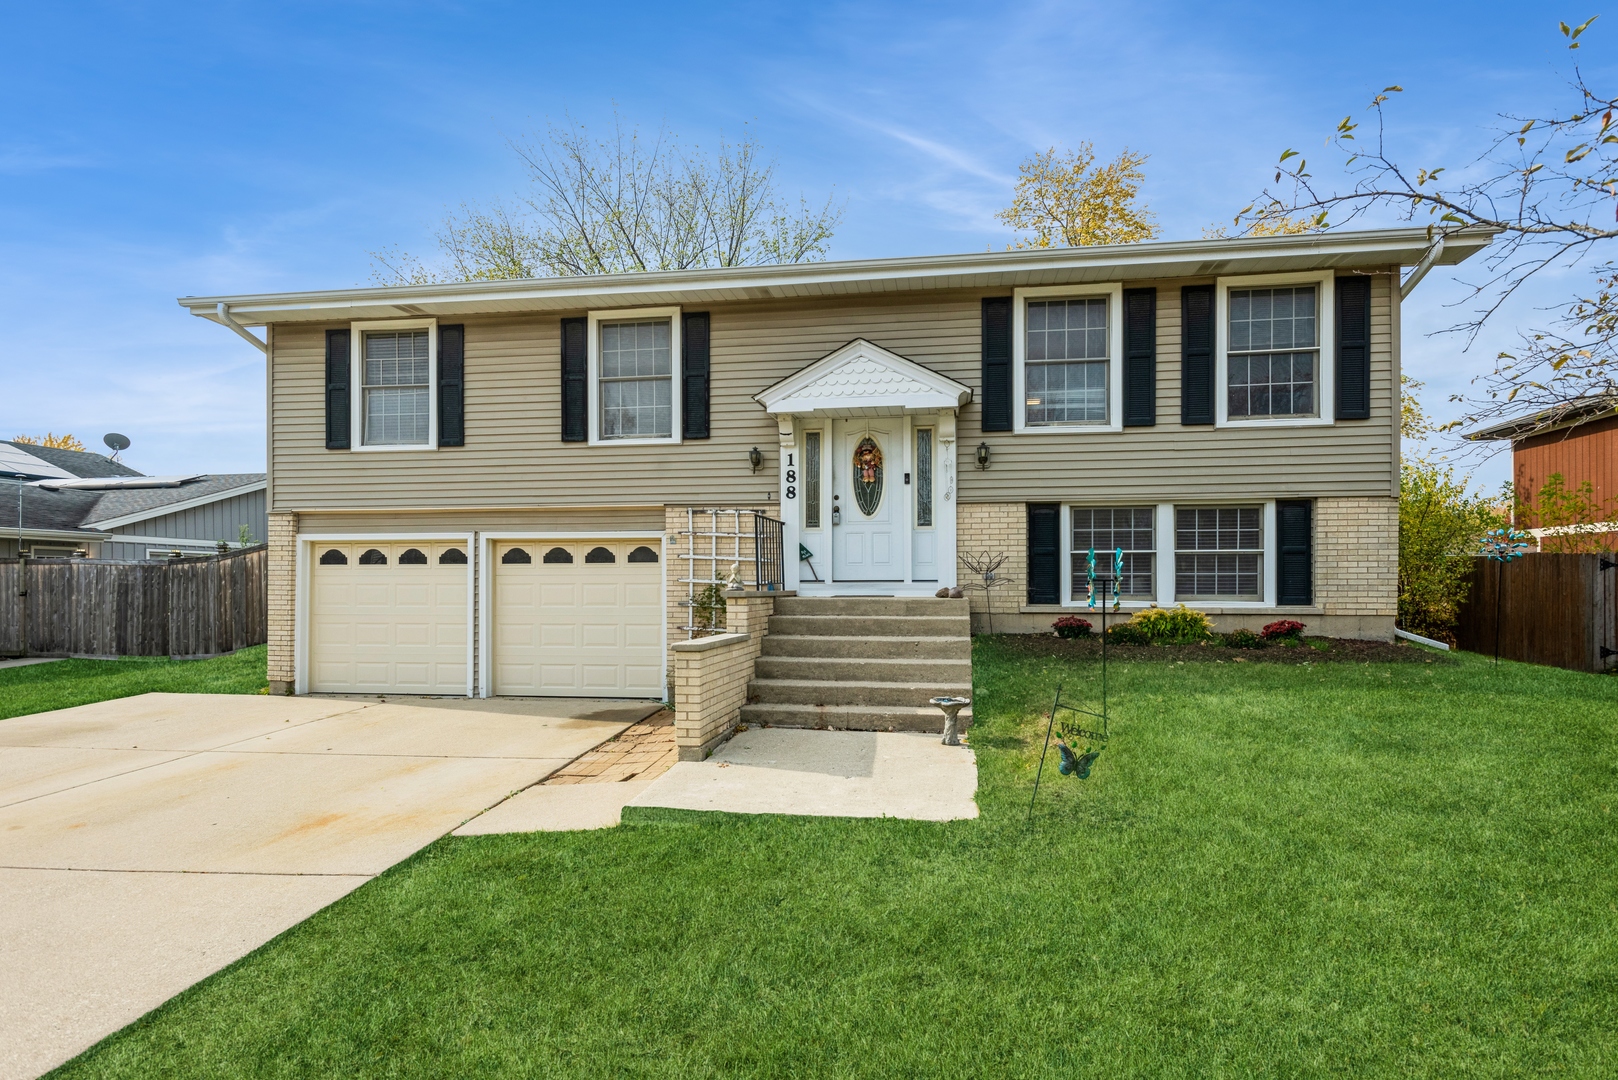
(711, 674)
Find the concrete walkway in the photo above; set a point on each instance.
(825, 773)
(147, 842)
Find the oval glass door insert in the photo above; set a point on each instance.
(868, 475)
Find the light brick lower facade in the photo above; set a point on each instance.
(282, 613)
(1356, 571)
(1357, 556)
(709, 683)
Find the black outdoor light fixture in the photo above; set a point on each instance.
(755, 458)
(983, 455)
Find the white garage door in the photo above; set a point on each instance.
(578, 618)
(388, 617)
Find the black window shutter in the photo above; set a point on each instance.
(1353, 348)
(997, 363)
(452, 385)
(1197, 354)
(1044, 554)
(1140, 357)
(694, 376)
(1295, 544)
(575, 381)
(339, 363)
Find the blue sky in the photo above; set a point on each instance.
(152, 151)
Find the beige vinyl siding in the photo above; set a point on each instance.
(514, 456)
(647, 519)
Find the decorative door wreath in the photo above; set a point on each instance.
(868, 475)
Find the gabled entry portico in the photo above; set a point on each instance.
(868, 472)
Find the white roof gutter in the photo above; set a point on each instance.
(223, 316)
(1406, 287)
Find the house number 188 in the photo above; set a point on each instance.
(791, 478)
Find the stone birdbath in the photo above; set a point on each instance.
(951, 707)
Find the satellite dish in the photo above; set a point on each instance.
(118, 443)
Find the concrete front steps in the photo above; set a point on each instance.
(866, 663)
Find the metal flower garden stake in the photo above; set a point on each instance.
(1080, 746)
(1502, 545)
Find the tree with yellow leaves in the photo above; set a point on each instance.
(1066, 200)
(51, 441)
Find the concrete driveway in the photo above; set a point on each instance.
(148, 842)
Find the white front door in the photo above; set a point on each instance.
(868, 500)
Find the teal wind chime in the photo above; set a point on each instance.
(1078, 745)
(1502, 545)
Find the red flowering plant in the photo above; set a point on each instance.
(1282, 630)
(1071, 626)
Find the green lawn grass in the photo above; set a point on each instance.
(62, 683)
(1275, 870)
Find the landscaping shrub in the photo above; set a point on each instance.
(1128, 634)
(1173, 626)
(1282, 630)
(1244, 638)
(1071, 626)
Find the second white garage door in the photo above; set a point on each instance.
(578, 618)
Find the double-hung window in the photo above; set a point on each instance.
(396, 387)
(1105, 530)
(1218, 553)
(637, 379)
(1066, 360)
(1273, 352)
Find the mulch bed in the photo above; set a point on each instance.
(1336, 651)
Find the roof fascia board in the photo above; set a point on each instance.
(55, 534)
(984, 270)
(175, 508)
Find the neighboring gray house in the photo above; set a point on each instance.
(78, 504)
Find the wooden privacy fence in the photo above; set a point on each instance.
(1560, 610)
(102, 607)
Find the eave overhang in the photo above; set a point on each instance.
(1365, 249)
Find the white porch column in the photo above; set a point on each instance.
(791, 496)
(946, 502)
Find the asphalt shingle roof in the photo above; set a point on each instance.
(77, 508)
(78, 462)
(116, 504)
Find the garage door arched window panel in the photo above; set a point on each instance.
(600, 555)
(413, 557)
(373, 557)
(558, 555)
(333, 557)
(516, 555)
(643, 554)
(453, 557)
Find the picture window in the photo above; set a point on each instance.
(396, 390)
(637, 379)
(1218, 553)
(1273, 356)
(1066, 360)
(1106, 529)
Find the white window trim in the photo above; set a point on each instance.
(1326, 337)
(1158, 563)
(1115, 360)
(676, 372)
(1268, 546)
(356, 395)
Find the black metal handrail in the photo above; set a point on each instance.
(769, 554)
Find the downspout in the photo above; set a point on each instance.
(225, 318)
(1408, 285)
